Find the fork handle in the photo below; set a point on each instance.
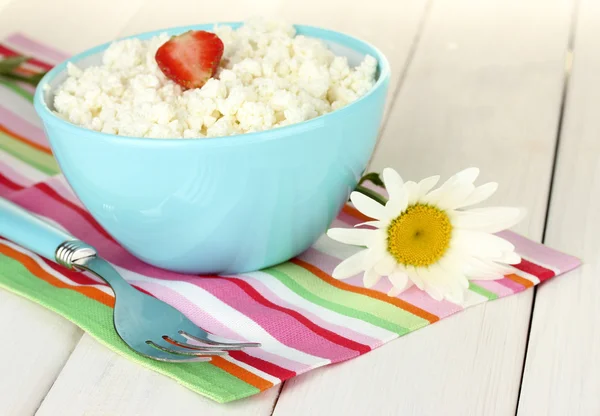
(29, 231)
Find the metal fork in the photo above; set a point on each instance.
(147, 325)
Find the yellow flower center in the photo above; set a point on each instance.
(420, 236)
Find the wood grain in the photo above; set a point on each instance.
(145, 391)
(484, 89)
(562, 372)
(35, 345)
(97, 381)
(70, 25)
(37, 342)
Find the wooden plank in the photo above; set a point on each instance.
(96, 381)
(99, 395)
(70, 25)
(562, 372)
(35, 345)
(484, 89)
(37, 341)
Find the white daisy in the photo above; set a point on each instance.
(427, 238)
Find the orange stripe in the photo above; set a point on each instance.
(367, 292)
(241, 373)
(28, 142)
(38, 271)
(25, 71)
(355, 213)
(520, 280)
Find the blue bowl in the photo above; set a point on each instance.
(226, 204)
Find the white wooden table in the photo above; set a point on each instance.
(511, 86)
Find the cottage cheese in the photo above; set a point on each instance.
(268, 78)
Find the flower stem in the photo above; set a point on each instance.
(371, 194)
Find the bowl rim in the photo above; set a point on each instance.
(352, 42)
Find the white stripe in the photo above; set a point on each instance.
(53, 272)
(228, 316)
(32, 174)
(59, 185)
(27, 52)
(299, 303)
(19, 105)
(335, 249)
(525, 275)
(32, 67)
(539, 263)
(253, 370)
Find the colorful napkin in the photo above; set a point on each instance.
(304, 318)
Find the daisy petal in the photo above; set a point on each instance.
(480, 194)
(427, 184)
(455, 196)
(481, 244)
(399, 280)
(414, 277)
(370, 278)
(395, 291)
(455, 295)
(412, 192)
(479, 269)
(351, 266)
(467, 175)
(431, 283)
(397, 205)
(394, 184)
(376, 224)
(386, 265)
(356, 237)
(509, 257)
(368, 206)
(489, 220)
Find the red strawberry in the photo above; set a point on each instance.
(190, 59)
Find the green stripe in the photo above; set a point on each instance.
(375, 311)
(483, 292)
(96, 319)
(40, 160)
(15, 88)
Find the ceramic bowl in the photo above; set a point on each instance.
(226, 204)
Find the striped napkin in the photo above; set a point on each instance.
(303, 317)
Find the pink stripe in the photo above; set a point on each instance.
(343, 331)
(29, 88)
(414, 296)
(495, 287)
(348, 220)
(57, 184)
(6, 192)
(279, 324)
(310, 342)
(204, 320)
(40, 203)
(537, 252)
(20, 126)
(36, 48)
(12, 174)
(514, 286)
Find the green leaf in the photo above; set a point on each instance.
(8, 65)
(372, 177)
(32, 80)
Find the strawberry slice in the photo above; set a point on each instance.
(190, 59)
